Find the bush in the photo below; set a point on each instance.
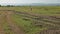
(10, 6)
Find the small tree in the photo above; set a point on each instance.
(8, 5)
(0, 5)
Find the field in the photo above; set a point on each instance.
(30, 20)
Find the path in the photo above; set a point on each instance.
(13, 26)
(1, 25)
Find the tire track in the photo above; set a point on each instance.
(1, 25)
(14, 27)
(1, 30)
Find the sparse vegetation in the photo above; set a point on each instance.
(29, 20)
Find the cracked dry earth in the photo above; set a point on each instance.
(5, 17)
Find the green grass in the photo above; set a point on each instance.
(7, 29)
(35, 9)
(27, 26)
(5, 26)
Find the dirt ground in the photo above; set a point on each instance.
(40, 20)
(1, 27)
(14, 28)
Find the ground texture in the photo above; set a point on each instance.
(6, 15)
(51, 22)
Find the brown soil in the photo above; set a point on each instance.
(1, 30)
(1, 26)
(13, 26)
(53, 21)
